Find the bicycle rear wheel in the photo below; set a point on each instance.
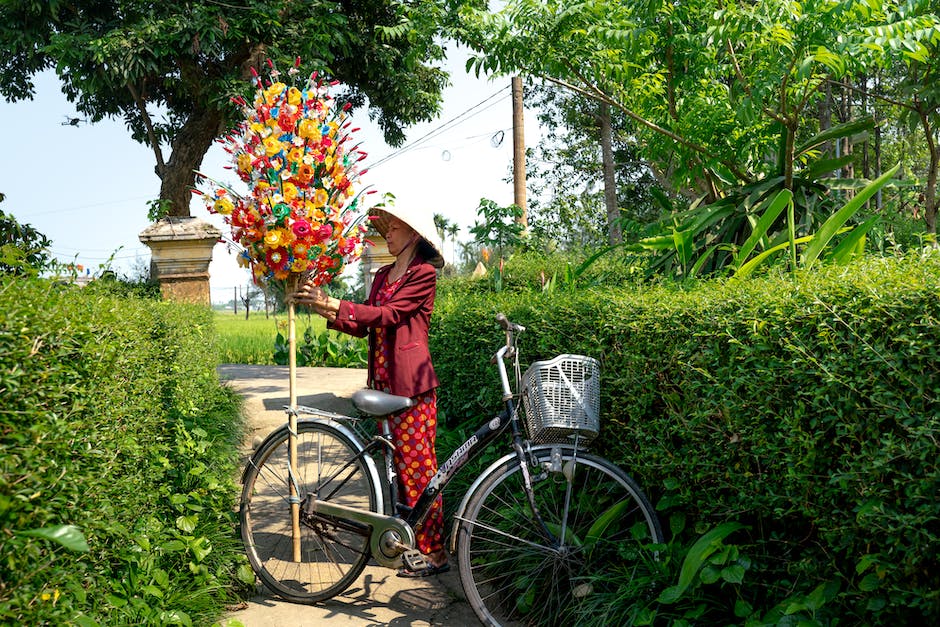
(332, 553)
(513, 574)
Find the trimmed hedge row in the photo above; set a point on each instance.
(113, 420)
(805, 407)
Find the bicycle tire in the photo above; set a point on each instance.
(513, 575)
(332, 556)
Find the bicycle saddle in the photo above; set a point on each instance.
(377, 403)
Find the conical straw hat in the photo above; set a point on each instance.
(421, 221)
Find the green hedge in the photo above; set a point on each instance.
(804, 407)
(113, 421)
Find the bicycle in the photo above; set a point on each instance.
(534, 537)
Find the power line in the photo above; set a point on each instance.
(476, 139)
(458, 119)
(98, 250)
(99, 204)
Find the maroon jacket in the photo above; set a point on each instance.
(406, 317)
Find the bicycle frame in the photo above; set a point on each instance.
(392, 534)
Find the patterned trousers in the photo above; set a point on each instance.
(414, 432)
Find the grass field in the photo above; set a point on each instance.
(251, 341)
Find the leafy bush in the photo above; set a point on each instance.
(330, 349)
(803, 407)
(113, 422)
(23, 249)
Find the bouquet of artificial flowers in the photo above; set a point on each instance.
(294, 149)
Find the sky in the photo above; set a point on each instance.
(86, 187)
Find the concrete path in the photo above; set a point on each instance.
(378, 597)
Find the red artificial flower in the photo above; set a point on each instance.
(302, 228)
(324, 233)
(278, 259)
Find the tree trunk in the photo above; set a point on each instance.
(845, 114)
(246, 300)
(930, 190)
(878, 197)
(615, 236)
(178, 177)
(824, 115)
(863, 105)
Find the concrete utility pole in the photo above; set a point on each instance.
(518, 150)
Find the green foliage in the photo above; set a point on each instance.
(498, 228)
(118, 450)
(245, 341)
(330, 349)
(121, 58)
(803, 407)
(23, 249)
(157, 209)
(719, 98)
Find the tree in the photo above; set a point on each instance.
(183, 61)
(23, 249)
(723, 95)
(569, 166)
(444, 227)
(498, 227)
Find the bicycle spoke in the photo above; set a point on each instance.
(512, 576)
(332, 552)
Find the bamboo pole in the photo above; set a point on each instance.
(292, 417)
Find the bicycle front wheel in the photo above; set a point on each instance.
(600, 526)
(332, 553)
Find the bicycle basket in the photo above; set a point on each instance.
(561, 398)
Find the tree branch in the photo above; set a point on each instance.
(747, 88)
(151, 136)
(599, 95)
(873, 95)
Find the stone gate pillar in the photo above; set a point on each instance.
(373, 258)
(181, 249)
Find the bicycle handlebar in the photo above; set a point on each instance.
(508, 351)
(509, 326)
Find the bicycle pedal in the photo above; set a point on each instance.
(414, 560)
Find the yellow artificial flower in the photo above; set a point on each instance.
(271, 146)
(293, 96)
(308, 129)
(272, 92)
(244, 162)
(295, 155)
(223, 206)
(320, 197)
(290, 191)
(299, 265)
(275, 238)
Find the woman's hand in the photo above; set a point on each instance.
(329, 315)
(317, 298)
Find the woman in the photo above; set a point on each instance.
(396, 317)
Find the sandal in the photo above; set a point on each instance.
(427, 571)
